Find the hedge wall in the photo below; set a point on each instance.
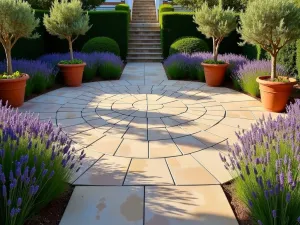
(175, 25)
(112, 24)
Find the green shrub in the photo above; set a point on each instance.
(90, 72)
(188, 45)
(46, 4)
(109, 71)
(122, 7)
(171, 31)
(298, 57)
(101, 44)
(164, 8)
(287, 58)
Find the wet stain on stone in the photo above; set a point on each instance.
(132, 208)
(100, 207)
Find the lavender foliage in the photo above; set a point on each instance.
(245, 75)
(36, 161)
(185, 66)
(266, 161)
(42, 75)
(93, 61)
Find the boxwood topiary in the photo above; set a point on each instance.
(101, 44)
(122, 7)
(188, 45)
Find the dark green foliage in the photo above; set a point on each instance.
(172, 28)
(188, 45)
(46, 4)
(109, 71)
(112, 24)
(298, 57)
(74, 61)
(89, 73)
(101, 44)
(211, 61)
(254, 52)
(165, 8)
(122, 7)
(287, 58)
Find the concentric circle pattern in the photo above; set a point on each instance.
(147, 121)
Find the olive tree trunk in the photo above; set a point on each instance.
(71, 48)
(216, 44)
(8, 60)
(273, 68)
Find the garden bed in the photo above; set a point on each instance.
(53, 212)
(240, 210)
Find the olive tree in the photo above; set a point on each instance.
(46, 4)
(67, 21)
(271, 24)
(16, 21)
(215, 23)
(194, 5)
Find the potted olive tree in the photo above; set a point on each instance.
(272, 24)
(215, 23)
(16, 21)
(67, 21)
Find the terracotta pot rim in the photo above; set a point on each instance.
(24, 76)
(263, 80)
(72, 65)
(215, 65)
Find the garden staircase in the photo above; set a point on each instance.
(144, 33)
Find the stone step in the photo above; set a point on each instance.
(145, 45)
(152, 40)
(144, 59)
(144, 29)
(144, 54)
(144, 16)
(144, 25)
(144, 32)
(146, 13)
(143, 21)
(148, 36)
(143, 5)
(144, 50)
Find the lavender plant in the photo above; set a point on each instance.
(266, 162)
(42, 75)
(247, 73)
(36, 161)
(110, 66)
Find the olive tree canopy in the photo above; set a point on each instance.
(215, 23)
(16, 21)
(67, 21)
(272, 24)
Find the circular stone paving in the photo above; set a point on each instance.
(149, 134)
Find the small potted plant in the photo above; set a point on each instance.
(67, 21)
(215, 23)
(17, 21)
(272, 24)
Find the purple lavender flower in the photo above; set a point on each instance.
(274, 213)
(9, 202)
(288, 197)
(259, 222)
(4, 191)
(19, 202)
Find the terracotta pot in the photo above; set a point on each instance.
(274, 95)
(72, 73)
(13, 90)
(214, 73)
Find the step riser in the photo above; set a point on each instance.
(137, 51)
(144, 55)
(143, 45)
(145, 37)
(145, 33)
(144, 17)
(144, 29)
(140, 41)
(144, 21)
(144, 26)
(144, 60)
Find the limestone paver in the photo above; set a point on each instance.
(105, 205)
(108, 170)
(187, 171)
(189, 144)
(148, 172)
(106, 145)
(163, 148)
(133, 148)
(188, 205)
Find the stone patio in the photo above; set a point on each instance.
(152, 147)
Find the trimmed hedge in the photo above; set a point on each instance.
(112, 24)
(188, 45)
(124, 7)
(101, 44)
(298, 57)
(165, 8)
(171, 31)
